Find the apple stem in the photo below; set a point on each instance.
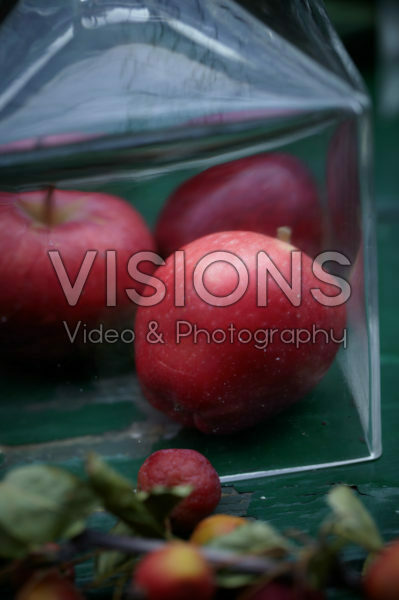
(48, 206)
(284, 234)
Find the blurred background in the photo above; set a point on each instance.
(370, 32)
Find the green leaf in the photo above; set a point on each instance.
(320, 561)
(351, 521)
(10, 547)
(40, 504)
(119, 498)
(229, 580)
(369, 561)
(162, 500)
(255, 537)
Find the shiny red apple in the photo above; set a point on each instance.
(175, 572)
(216, 365)
(381, 580)
(49, 585)
(259, 193)
(54, 267)
(181, 466)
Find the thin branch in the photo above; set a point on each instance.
(242, 563)
(135, 545)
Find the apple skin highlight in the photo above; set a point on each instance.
(175, 572)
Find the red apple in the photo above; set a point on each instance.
(49, 585)
(180, 466)
(381, 581)
(259, 193)
(215, 526)
(175, 572)
(33, 304)
(223, 380)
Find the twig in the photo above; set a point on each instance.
(135, 545)
(243, 563)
